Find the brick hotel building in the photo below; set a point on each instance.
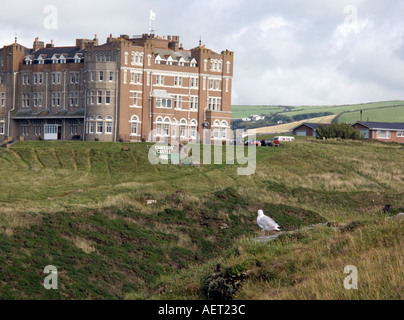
(117, 91)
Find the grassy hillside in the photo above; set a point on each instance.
(287, 127)
(391, 114)
(350, 116)
(82, 206)
(342, 108)
(246, 111)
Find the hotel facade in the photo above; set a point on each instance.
(144, 88)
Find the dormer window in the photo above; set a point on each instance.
(169, 61)
(54, 59)
(157, 60)
(76, 59)
(193, 62)
(28, 60)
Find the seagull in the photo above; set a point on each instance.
(266, 223)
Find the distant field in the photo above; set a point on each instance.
(342, 108)
(245, 111)
(286, 127)
(393, 114)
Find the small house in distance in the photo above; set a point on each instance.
(256, 117)
(307, 129)
(383, 131)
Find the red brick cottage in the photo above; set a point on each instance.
(307, 129)
(383, 131)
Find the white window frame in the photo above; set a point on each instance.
(166, 127)
(134, 128)
(108, 124)
(99, 97)
(3, 99)
(99, 124)
(159, 126)
(386, 134)
(216, 130)
(108, 97)
(193, 129)
(2, 124)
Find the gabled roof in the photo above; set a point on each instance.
(312, 125)
(175, 55)
(381, 125)
(67, 52)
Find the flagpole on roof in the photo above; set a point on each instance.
(152, 17)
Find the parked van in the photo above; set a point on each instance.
(280, 139)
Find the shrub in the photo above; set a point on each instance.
(338, 130)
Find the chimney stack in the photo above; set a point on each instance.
(38, 44)
(50, 45)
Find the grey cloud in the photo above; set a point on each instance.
(286, 52)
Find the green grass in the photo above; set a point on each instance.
(388, 114)
(304, 265)
(246, 111)
(392, 114)
(82, 206)
(342, 108)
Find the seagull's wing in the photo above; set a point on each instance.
(267, 223)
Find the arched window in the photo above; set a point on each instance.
(134, 126)
(159, 125)
(108, 124)
(193, 129)
(174, 125)
(167, 126)
(216, 129)
(183, 128)
(100, 124)
(224, 130)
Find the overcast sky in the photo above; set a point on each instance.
(288, 52)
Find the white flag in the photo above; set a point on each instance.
(152, 15)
